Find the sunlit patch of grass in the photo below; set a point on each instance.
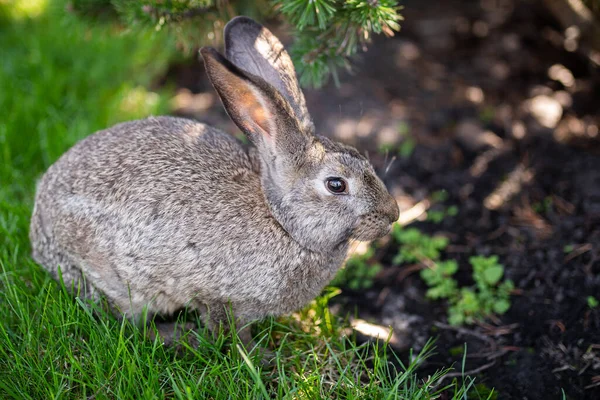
(19, 9)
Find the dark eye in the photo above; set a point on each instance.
(336, 185)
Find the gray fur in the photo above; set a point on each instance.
(169, 213)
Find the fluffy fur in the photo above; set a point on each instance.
(167, 213)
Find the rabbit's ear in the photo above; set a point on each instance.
(253, 48)
(256, 107)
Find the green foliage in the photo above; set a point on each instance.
(327, 32)
(416, 246)
(439, 279)
(61, 79)
(438, 212)
(457, 351)
(407, 147)
(544, 206)
(592, 302)
(436, 216)
(307, 14)
(490, 295)
(439, 196)
(359, 272)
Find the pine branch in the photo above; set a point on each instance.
(327, 33)
(173, 16)
(347, 27)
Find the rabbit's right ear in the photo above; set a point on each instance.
(257, 108)
(253, 48)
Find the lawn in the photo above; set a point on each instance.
(61, 78)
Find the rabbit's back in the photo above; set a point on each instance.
(163, 211)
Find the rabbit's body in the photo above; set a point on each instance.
(142, 229)
(167, 213)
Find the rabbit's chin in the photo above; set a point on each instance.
(371, 232)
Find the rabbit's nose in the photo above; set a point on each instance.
(391, 210)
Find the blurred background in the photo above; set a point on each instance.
(482, 117)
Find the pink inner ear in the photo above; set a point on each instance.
(261, 116)
(246, 104)
(255, 113)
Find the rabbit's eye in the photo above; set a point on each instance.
(336, 185)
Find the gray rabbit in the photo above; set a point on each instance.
(167, 213)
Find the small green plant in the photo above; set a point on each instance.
(437, 216)
(417, 246)
(489, 295)
(439, 196)
(592, 302)
(408, 144)
(327, 34)
(438, 212)
(403, 150)
(439, 279)
(543, 207)
(359, 271)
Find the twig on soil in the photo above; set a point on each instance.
(466, 373)
(469, 332)
(563, 368)
(596, 382)
(493, 355)
(563, 205)
(413, 213)
(559, 324)
(382, 296)
(408, 270)
(497, 233)
(579, 250)
(492, 330)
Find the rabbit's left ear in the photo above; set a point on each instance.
(257, 108)
(254, 49)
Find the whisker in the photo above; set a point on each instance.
(387, 153)
(389, 165)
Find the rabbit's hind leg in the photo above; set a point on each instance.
(63, 269)
(172, 332)
(57, 261)
(223, 318)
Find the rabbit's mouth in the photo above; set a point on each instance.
(370, 228)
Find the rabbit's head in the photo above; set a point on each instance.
(323, 193)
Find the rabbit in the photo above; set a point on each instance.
(165, 213)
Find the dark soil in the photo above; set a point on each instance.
(463, 80)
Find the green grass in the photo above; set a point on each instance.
(62, 78)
